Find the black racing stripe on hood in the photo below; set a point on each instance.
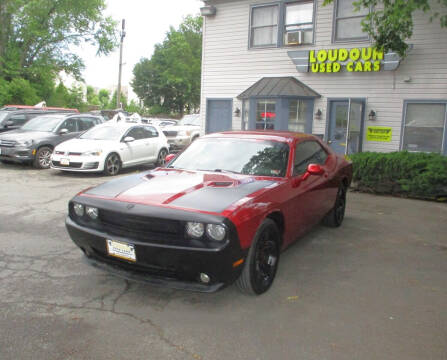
(217, 199)
(115, 187)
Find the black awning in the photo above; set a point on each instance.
(277, 87)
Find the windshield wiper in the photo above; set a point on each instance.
(226, 171)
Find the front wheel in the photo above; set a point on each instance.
(43, 158)
(335, 217)
(262, 261)
(112, 165)
(161, 159)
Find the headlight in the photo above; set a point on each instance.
(92, 212)
(184, 133)
(92, 153)
(216, 232)
(195, 229)
(26, 143)
(78, 209)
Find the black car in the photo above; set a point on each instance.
(13, 118)
(34, 142)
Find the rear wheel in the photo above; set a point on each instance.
(161, 157)
(262, 261)
(42, 159)
(112, 165)
(335, 217)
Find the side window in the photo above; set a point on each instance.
(308, 152)
(70, 124)
(264, 26)
(298, 24)
(150, 131)
(17, 120)
(137, 133)
(86, 123)
(347, 24)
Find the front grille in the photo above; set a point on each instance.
(59, 152)
(74, 165)
(8, 143)
(170, 133)
(75, 153)
(141, 227)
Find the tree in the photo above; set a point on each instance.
(37, 36)
(104, 98)
(92, 97)
(170, 80)
(390, 23)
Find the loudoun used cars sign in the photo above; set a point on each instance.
(365, 59)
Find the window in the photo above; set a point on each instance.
(86, 123)
(150, 132)
(424, 127)
(264, 26)
(299, 17)
(70, 125)
(137, 133)
(348, 21)
(17, 120)
(265, 114)
(308, 152)
(297, 115)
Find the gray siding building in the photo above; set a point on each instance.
(302, 66)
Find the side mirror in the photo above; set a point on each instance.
(128, 139)
(169, 157)
(63, 131)
(315, 169)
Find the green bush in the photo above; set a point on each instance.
(418, 175)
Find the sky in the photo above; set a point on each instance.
(147, 22)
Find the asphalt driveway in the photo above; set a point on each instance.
(376, 288)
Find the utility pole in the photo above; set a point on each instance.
(118, 91)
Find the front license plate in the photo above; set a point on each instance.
(121, 250)
(65, 162)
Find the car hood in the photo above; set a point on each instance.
(23, 135)
(205, 192)
(181, 128)
(81, 145)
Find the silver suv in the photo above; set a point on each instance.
(184, 133)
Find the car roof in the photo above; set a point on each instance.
(277, 135)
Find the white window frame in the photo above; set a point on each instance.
(334, 26)
(424, 102)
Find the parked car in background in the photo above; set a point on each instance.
(161, 122)
(34, 142)
(220, 212)
(184, 132)
(12, 117)
(110, 147)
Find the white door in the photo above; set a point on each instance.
(152, 140)
(135, 150)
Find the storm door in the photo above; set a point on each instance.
(346, 125)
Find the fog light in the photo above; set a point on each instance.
(204, 278)
(78, 209)
(92, 212)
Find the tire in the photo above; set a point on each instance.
(262, 261)
(6, 162)
(161, 157)
(195, 138)
(112, 165)
(42, 159)
(334, 218)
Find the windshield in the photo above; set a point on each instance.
(190, 120)
(3, 115)
(43, 123)
(243, 156)
(103, 133)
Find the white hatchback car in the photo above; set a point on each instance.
(110, 147)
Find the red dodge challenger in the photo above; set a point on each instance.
(218, 213)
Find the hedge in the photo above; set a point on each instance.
(420, 175)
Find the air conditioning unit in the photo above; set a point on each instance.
(294, 37)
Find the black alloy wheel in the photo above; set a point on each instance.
(42, 159)
(112, 165)
(161, 159)
(335, 217)
(262, 261)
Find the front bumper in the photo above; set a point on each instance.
(77, 163)
(16, 154)
(178, 142)
(161, 264)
